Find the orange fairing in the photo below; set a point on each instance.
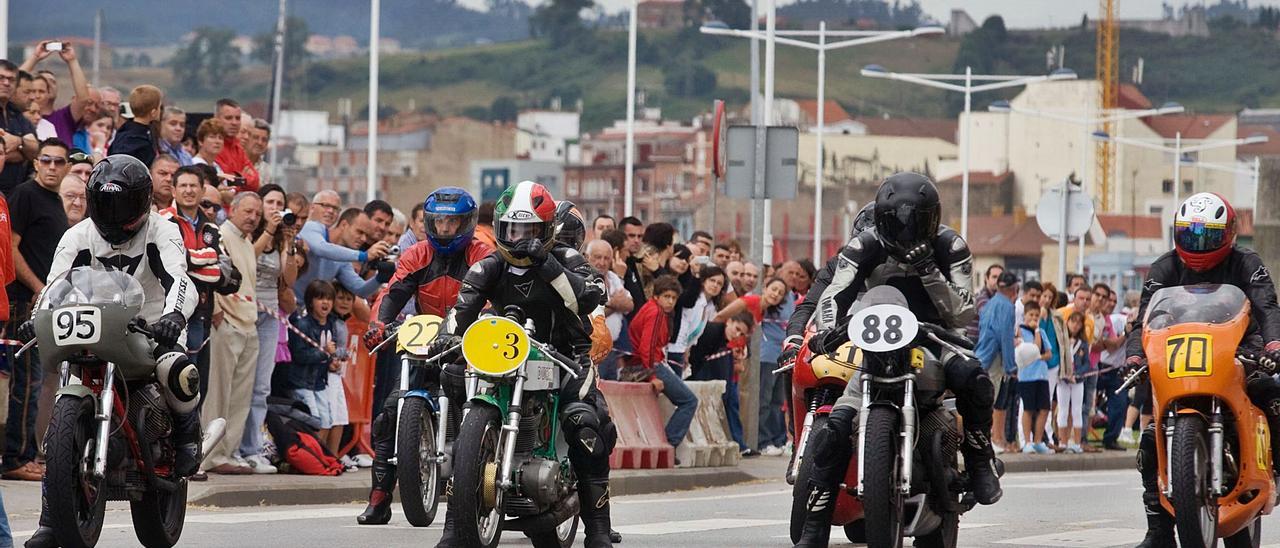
(1194, 360)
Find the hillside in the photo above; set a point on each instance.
(1233, 69)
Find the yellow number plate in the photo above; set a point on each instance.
(917, 358)
(495, 346)
(418, 332)
(1189, 355)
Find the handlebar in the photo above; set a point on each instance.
(388, 337)
(563, 361)
(948, 336)
(1133, 379)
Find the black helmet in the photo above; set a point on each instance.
(119, 194)
(571, 230)
(864, 220)
(907, 211)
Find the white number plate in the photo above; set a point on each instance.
(883, 328)
(77, 325)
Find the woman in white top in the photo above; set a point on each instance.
(701, 300)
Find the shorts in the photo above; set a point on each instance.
(1003, 391)
(337, 400)
(318, 403)
(1035, 395)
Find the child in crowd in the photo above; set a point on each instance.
(308, 377)
(713, 360)
(1033, 381)
(343, 303)
(1070, 387)
(650, 332)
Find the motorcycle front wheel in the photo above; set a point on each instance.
(800, 491)
(475, 490)
(158, 518)
(416, 466)
(77, 503)
(560, 537)
(881, 501)
(1195, 507)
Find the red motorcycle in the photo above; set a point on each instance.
(816, 383)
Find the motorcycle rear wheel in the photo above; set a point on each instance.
(477, 446)
(418, 471)
(158, 518)
(77, 502)
(881, 500)
(1195, 508)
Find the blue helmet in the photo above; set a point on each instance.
(447, 202)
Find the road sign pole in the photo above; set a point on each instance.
(1062, 237)
(817, 178)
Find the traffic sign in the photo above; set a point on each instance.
(782, 148)
(1079, 212)
(719, 141)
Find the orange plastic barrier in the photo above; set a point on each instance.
(642, 441)
(357, 380)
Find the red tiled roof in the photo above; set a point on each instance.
(1003, 236)
(940, 128)
(1132, 226)
(1244, 222)
(1269, 148)
(1192, 126)
(1131, 97)
(979, 178)
(834, 113)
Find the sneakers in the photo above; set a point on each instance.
(771, 451)
(1028, 448)
(1074, 448)
(364, 460)
(349, 464)
(750, 453)
(997, 448)
(260, 465)
(1042, 449)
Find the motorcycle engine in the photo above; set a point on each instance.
(157, 425)
(541, 482)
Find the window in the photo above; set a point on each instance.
(1186, 187)
(1155, 210)
(1166, 186)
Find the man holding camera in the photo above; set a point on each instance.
(332, 250)
(70, 121)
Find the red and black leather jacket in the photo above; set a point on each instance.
(431, 278)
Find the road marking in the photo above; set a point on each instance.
(1090, 538)
(1059, 485)
(243, 517)
(690, 526)
(1091, 523)
(628, 500)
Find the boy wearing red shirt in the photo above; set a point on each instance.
(650, 333)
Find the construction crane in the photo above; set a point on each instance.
(1107, 68)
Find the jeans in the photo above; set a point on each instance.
(198, 352)
(608, 367)
(1117, 404)
(686, 403)
(20, 443)
(268, 337)
(721, 369)
(1090, 403)
(6, 534)
(773, 427)
(676, 361)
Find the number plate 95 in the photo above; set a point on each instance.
(883, 328)
(77, 325)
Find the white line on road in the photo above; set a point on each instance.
(1089, 538)
(1059, 485)
(628, 500)
(672, 527)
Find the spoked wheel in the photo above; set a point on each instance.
(76, 500)
(417, 468)
(800, 491)
(1249, 537)
(158, 518)
(560, 537)
(881, 501)
(475, 478)
(1195, 506)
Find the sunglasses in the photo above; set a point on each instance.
(46, 160)
(207, 204)
(80, 158)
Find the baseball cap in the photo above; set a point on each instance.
(1007, 279)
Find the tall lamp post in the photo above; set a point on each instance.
(790, 38)
(968, 88)
(1178, 150)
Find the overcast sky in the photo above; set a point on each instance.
(1017, 13)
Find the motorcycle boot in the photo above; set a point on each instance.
(449, 539)
(1159, 528)
(593, 498)
(817, 518)
(979, 461)
(378, 512)
(43, 537)
(1159, 522)
(186, 443)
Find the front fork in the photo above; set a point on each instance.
(404, 390)
(907, 452)
(1217, 442)
(510, 431)
(106, 404)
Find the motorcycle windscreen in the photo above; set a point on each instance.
(1207, 304)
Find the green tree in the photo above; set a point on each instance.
(684, 77)
(558, 21)
(504, 109)
(207, 62)
(735, 13)
(296, 34)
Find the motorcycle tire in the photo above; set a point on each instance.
(158, 518)
(1195, 510)
(560, 537)
(946, 535)
(1249, 537)
(477, 525)
(856, 532)
(800, 491)
(881, 501)
(417, 470)
(77, 503)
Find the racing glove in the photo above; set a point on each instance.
(921, 258)
(168, 328)
(443, 343)
(790, 349)
(533, 249)
(377, 333)
(26, 331)
(1269, 361)
(1134, 363)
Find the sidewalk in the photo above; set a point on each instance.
(23, 498)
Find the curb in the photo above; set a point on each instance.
(355, 487)
(1075, 463)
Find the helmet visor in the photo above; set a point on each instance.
(119, 214)
(444, 227)
(1197, 237)
(515, 231)
(907, 226)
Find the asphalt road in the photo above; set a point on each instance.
(1090, 509)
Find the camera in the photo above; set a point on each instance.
(288, 218)
(393, 254)
(238, 181)
(53, 46)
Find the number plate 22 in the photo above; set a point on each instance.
(77, 325)
(1189, 355)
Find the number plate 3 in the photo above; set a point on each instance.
(77, 325)
(883, 328)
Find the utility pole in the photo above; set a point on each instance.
(97, 41)
(276, 84)
(371, 171)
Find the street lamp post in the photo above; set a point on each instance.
(854, 38)
(628, 177)
(944, 81)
